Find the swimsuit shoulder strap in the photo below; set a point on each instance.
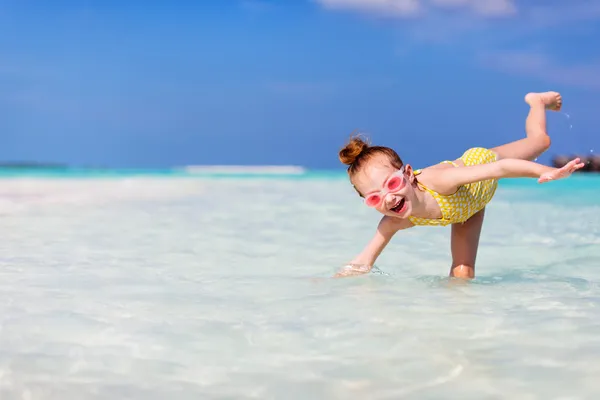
(449, 162)
(432, 192)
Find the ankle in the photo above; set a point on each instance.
(462, 271)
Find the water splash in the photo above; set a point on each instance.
(377, 271)
(569, 118)
(571, 128)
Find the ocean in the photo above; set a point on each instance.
(161, 284)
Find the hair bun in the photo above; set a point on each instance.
(355, 147)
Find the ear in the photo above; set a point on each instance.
(409, 173)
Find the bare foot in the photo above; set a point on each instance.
(552, 100)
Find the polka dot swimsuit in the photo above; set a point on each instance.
(469, 199)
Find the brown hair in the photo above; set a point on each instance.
(358, 151)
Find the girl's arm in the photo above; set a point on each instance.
(363, 262)
(448, 180)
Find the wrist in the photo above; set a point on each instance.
(545, 169)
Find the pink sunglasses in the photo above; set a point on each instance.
(393, 183)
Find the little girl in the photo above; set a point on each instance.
(451, 192)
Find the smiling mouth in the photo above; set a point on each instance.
(399, 207)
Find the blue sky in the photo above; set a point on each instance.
(159, 83)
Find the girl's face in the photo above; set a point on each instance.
(385, 188)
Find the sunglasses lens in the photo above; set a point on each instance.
(394, 183)
(373, 200)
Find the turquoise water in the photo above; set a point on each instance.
(152, 284)
(578, 181)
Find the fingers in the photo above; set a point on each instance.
(352, 270)
(571, 164)
(563, 172)
(574, 165)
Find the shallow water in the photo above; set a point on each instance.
(148, 287)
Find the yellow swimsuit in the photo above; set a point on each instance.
(468, 199)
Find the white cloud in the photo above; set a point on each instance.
(564, 13)
(483, 7)
(550, 13)
(487, 26)
(392, 8)
(404, 8)
(544, 68)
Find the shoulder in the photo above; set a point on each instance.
(430, 176)
(439, 177)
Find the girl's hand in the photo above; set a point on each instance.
(352, 270)
(563, 172)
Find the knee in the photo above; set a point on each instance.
(462, 271)
(544, 142)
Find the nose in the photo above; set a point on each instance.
(390, 199)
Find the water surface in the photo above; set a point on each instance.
(154, 285)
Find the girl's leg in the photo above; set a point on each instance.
(537, 140)
(464, 243)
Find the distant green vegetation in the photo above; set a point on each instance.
(32, 165)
